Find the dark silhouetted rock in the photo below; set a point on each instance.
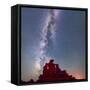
(52, 72)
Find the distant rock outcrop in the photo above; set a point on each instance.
(52, 73)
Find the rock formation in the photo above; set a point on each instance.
(52, 72)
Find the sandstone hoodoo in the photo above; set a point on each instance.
(52, 72)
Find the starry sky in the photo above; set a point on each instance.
(69, 48)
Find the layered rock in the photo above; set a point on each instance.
(52, 72)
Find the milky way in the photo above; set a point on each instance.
(48, 33)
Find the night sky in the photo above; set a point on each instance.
(69, 48)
